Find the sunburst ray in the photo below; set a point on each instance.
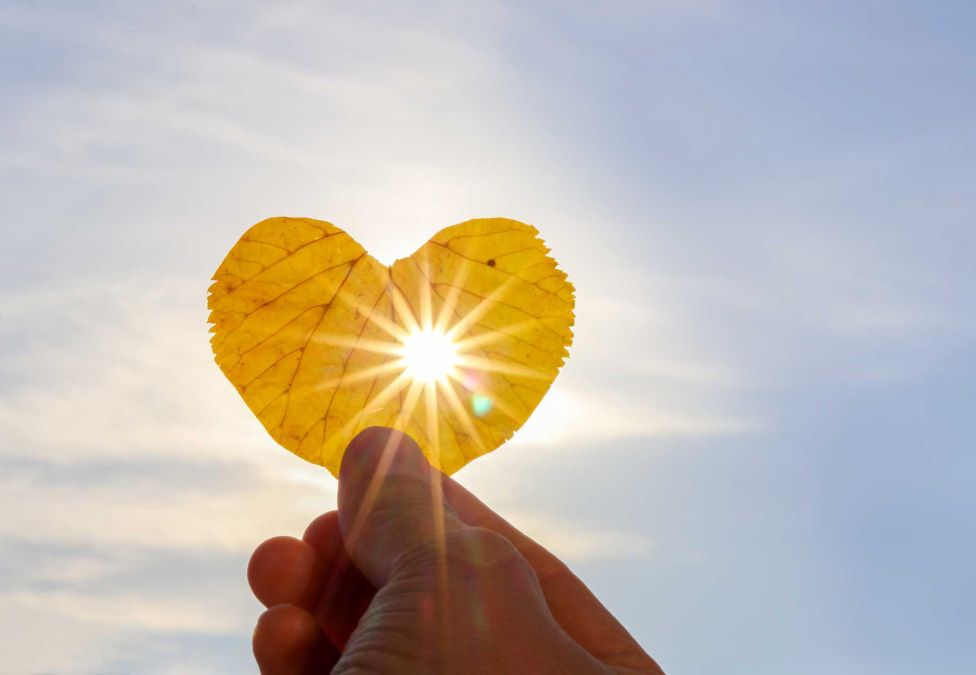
(471, 318)
(487, 365)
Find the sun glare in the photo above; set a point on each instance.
(438, 366)
(429, 355)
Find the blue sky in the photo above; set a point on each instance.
(761, 452)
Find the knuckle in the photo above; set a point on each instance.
(469, 553)
(477, 548)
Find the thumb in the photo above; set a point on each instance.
(390, 501)
(466, 601)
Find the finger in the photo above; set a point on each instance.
(345, 593)
(322, 534)
(576, 609)
(459, 581)
(390, 501)
(287, 641)
(284, 570)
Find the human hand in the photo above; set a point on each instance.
(413, 574)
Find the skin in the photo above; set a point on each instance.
(413, 574)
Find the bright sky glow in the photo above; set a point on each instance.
(429, 355)
(760, 456)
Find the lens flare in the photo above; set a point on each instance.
(429, 355)
(480, 404)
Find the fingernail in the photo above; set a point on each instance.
(396, 451)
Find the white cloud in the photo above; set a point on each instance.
(573, 417)
(103, 372)
(161, 133)
(575, 542)
(36, 639)
(147, 511)
(132, 611)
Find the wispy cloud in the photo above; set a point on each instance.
(750, 205)
(579, 543)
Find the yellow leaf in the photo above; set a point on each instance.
(455, 345)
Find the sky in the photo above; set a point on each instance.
(760, 454)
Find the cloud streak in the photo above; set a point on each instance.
(771, 242)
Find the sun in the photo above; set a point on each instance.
(429, 355)
(436, 367)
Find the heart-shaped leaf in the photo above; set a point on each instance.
(455, 345)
